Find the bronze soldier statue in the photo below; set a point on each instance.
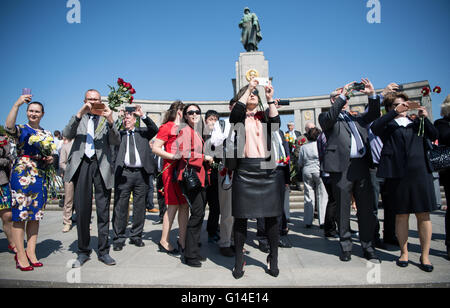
(251, 31)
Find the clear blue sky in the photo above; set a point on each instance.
(187, 49)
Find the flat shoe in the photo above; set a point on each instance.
(402, 263)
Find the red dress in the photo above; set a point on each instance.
(190, 144)
(172, 192)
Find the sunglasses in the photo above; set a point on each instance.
(192, 112)
(255, 92)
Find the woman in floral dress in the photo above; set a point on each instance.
(28, 180)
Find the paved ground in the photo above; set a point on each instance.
(313, 261)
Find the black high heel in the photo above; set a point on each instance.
(237, 274)
(270, 270)
(169, 252)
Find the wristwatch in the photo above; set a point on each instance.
(270, 103)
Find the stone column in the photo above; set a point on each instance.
(248, 62)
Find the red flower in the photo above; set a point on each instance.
(120, 81)
(3, 143)
(425, 91)
(437, 89)
(132, 91)
(259, 115)
(131, 99)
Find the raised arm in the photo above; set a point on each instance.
(10, 124)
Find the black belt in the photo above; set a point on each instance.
(89, 160)
(132, 169)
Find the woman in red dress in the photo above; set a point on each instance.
(165, 147)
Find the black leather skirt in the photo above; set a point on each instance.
(257, 192)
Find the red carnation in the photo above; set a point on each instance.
(259, 115)
(120, 81)
(425, 91)
(131, 99)
(437, 89)
(132, 91)
(3, 142)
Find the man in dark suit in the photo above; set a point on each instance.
(132, 171)
(88, 165)
(296, 135)
(347, 159)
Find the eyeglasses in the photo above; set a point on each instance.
(255, 92)
(192, 112)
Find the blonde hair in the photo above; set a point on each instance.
(445, 108)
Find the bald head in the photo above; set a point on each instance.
(308, 126)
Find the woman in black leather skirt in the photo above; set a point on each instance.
(256, 183)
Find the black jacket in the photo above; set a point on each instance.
(142, 137)
(394, 156)
(338, 134)
(443, 126)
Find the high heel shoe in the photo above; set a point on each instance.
(38, 264)
(237, 274)
(426, 267)
(23, 269)
(271, 271)
(11, 248)
(169, 252)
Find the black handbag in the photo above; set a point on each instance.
(190, 181)
(439, 157)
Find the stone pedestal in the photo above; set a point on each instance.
(250, 61)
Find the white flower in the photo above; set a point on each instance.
(24, 181)
(19, 197)
(23, 215)
(39, 215)
(32, 179)
(29, 201)
(35, 204)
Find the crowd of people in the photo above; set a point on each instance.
(239, 166)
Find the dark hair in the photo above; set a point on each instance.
(232, 101)
(171, 114)
(390, 98)
(211, 113)
(313, 134)
(185, 115)
(241, 93)
(57, 133)
(36, 103)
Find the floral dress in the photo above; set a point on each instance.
(28, 179)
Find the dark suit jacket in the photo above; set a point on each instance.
(443, 126)
(338, 134)
(296, 132)
(286, 169)
(394, 156)
(142, 137)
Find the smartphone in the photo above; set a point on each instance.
(413, 105)
(400, 88)
(358, 86)
(284, 102)
(98, 108)
(262, 81)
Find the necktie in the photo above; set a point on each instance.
(355, 133)
(90, 149)
(131, 148)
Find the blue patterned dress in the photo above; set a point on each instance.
(28, 184)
